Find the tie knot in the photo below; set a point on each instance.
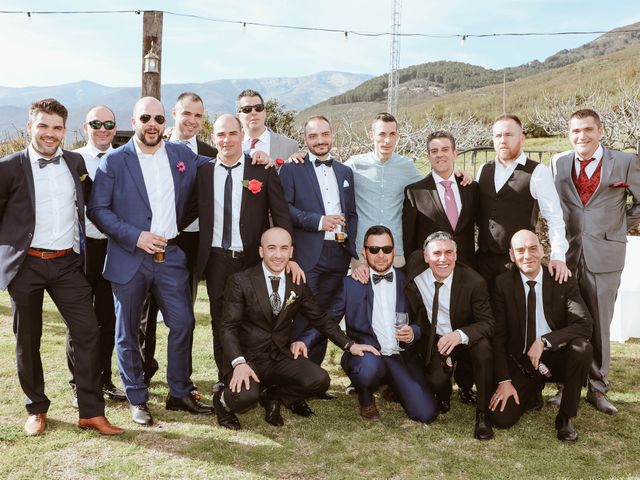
(531, 283)
(275, 282)
(252, 143)
(43, 162)
(587, 161)
(378, 278)
(437, 284)
(101, 154)
(446, 184)
(326, 163)
(230, 168)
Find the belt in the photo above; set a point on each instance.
(96, 240)
(48, 254)
(227, 253)
(172, 241)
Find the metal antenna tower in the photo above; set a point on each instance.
(392, 89)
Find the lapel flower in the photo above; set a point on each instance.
(620, 185)
(254, 186)
(291, 299)
(279, 162)
(83, 177)
(181, 166)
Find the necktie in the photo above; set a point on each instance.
(435, 306)
(378, 278)
(274, 298)
(43, 162)
(450, 204)
(585, 186)
(531, 316)
(252, 143)
(228, 208)
(326, 163)
(101, 154)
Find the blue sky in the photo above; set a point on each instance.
(55, 49)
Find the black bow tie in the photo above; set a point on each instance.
(43, 162)
(377, 278)
(326, 163)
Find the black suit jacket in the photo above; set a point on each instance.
(206, 149)
(249, 328)
(18, 207)
(470, 307)
(564, 311)
(254, 211)
(424, 214)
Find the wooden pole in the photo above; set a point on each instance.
(151, 33)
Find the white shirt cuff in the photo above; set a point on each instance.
(463, 336)
(237, 361)
(320, 224)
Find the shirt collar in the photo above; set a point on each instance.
(239, 161)
(95, 151)
(140, 153)
(174, 138)
(538, 278)
(597, 155)
(522, 159)
(437, 178)
(312, 157)
(35, 156)
(447, 281)
(268, 274)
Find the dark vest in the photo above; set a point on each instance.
(503, 213)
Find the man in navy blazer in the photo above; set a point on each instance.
(320, 194)
(137, 205)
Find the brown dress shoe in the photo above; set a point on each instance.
(370, 412)
(101, 424)
(36, 424)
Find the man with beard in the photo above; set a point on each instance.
(139, 198)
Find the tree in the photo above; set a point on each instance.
(281, 120)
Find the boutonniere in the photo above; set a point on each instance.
(291, 299)
(254, 186)
(279, 162)
(83, 177)
(181, 166)
(620, 185)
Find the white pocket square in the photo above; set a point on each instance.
(345, 184)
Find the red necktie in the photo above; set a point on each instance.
(585, 185)
(252, 145)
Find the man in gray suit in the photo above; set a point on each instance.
(593, 183)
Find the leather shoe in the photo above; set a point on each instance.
(35, 424)
(483, 429)
(556, 400)
(444, 406)
(226, 418)
(467, 396)
(566, 431)
(601, 402)
(326, 396)
(272, 410)
(112, 392)
(141, 415)
(101, 424)
(301, 408)
(188, 404)
(370, 412)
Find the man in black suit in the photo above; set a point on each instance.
(439, 202)
(451, 302)
(542, 334)
(260, 362)
(42, 193)
(233, 200)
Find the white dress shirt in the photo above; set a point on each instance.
(55, 196)
(158, 181)
(542, 326)
(329, 190)
(219, 179)
(543, 189)
(383, 316)
(193, 145)
(591, 168)
(263, 144)
(454, 187)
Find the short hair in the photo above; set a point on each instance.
(194, 97)
(248, 93)
(213, 125)
(439, 236)
(315, 117)
(384, 117)
(441, 134)
(377, 230)
(50, 106)
(586, 113)
(508, 116)
(101, 106)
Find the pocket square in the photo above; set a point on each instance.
(620, 185)
(345, 184)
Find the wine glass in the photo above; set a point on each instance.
(402, 319)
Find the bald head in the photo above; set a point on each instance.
(227, 137)
(146, 103)
(100, 127)
(526, 252)
(275, 249)
(148, 123)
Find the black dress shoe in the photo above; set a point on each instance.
(140, 414)
(444, 406)
(301, 408)
(483, 429)
(188, 404)
(272, 412)
(566, 431)
(467, 396)
(601, 402)
(226, 418)
(556, 400)
(112, 392)
(326, 396)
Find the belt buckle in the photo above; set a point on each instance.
(41, 255)
(235, 254)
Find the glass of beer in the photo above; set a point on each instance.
(339, 234)
(159, 257)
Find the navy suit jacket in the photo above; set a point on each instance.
(302, 192)
(119, 203)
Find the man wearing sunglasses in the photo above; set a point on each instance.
(139, 200)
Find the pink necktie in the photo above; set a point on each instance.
(450, 204)
(252, 145)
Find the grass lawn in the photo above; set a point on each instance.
(335, 443)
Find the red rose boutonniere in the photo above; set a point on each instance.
(620, 185)
(181, 167)
(254, 186)
(279, 162)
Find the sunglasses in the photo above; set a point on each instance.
(387, 249)
(145, 117)
(108, 125)
(247, 108)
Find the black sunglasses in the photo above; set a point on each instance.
(387, 249)
(145, 117)
(247, 108)
(108, 125)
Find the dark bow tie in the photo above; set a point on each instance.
(43, 162)
(377, 278)
(326, 163)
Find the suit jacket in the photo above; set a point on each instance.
(254, 211)
(424, 214)
(564, 311)
(119, 204)
(206, 149)
(18, 207)
(249, 328)
(599, 228)
(281, 146)
(302, 193)
(469, 309)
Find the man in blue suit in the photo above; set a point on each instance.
(371, 311)
(137, 205)
(320, 194)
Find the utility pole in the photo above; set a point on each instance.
(392, 89)
(151, 37)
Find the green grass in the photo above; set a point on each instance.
(335, 443)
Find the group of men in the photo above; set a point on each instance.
(275, 246)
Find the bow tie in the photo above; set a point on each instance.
(43, 162)
(377, 278)
(326, 163)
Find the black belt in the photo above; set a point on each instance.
(227, 253)
(96, 240)
(172, 241)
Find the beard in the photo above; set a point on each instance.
(142, 136)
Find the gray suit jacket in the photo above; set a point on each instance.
(600, 227)
(282, 147)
